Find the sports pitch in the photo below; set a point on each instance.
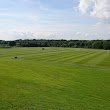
(54, 79)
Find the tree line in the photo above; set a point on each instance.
(95, 44)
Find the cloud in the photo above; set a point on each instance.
(94, 32)
(83, 6)
(97, 8)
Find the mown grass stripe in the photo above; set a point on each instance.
(106, 60)
(63, 56)
(79, 56)
(69, 59)
(88, 58)
(98, 59)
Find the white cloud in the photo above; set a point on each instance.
(97, 8)
(97, 31)
(83, 6)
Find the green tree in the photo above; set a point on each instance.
(106, 45)
(12, 43)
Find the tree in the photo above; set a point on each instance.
(97, 45)
(12, 43)
(106, 45)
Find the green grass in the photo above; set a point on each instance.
(54, 79)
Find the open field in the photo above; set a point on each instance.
(54, 79)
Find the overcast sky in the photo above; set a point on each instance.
(54, 19)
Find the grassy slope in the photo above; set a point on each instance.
(54, 79)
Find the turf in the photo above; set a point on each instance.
(54, 79)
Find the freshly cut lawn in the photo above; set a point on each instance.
(54, 79)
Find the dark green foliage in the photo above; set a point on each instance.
(12, 43)
(96, 44)
(106, 45)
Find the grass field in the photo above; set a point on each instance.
(54, 79)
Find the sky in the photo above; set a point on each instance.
(54, 19)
